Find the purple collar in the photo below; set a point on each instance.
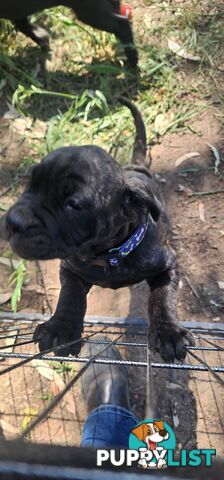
(115, 255)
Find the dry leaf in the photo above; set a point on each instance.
(57, 384)
(58, 381)
(180, 284)
(173, 386)
(176, 421)
(5, 297)
(43, 369)
(187, 156)
(11, 112)
(182, 52)
(214, 303)
(216, 155)
(201, 209)
(54, 388)
(162, 123)
(181, 188)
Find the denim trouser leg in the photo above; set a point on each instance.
(108, 426)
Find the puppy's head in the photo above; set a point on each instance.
(151, 432)
(77, 198)
(157, 432)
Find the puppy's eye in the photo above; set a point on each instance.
(73, 204)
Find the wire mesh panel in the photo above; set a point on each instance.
(188, 395)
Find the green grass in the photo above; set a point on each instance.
(16, 280)
(77, 98)
(199, 25)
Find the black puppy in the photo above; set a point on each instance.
(101, 14)
(109, 226)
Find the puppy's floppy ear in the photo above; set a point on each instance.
(160, 425)
(140, 432)
(137, 201)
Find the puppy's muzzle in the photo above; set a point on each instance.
(15, 221)
(11, 223)
(19, 219)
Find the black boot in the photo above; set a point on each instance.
(104, 383)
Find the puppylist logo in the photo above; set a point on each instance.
(152, 444)
(152, 439)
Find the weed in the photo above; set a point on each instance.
(47, 396)
(61, 368)
(16, 280)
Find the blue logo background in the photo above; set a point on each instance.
(169, 444)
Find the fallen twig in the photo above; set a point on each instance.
(191, 286)
(216, 155)
(5, 191)
(212, 192)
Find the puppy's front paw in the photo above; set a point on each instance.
(57, 332)
(170, 340)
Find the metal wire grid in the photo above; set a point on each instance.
(19, 330)
(209, 395)
(16, 345)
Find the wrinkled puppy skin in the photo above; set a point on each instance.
(101, 14)
(78, 204)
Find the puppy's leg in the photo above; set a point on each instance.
(124, 34)
(38, 34)
(165, 335)
(115, 5)
(123, 30)
(101, 14)
(66, 324)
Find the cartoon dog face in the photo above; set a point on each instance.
(151, 433)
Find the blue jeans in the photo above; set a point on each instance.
(108, 426)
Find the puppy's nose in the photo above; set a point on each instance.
(163, 433)
(15, 221)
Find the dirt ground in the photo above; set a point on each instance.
(194, 194)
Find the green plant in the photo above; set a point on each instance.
(47, 396)
(61, 368)
(16, 280)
